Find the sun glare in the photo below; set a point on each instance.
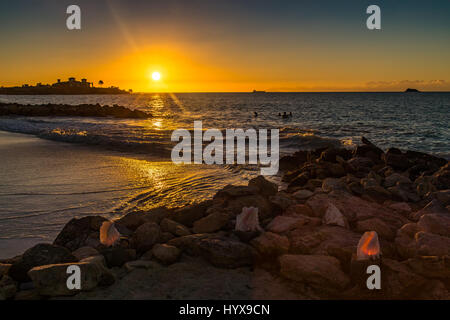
(156, 76)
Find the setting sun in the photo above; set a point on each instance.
(156, 76)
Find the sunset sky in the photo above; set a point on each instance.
(229, 45)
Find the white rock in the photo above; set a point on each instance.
(109, 234)
(248, 220)
(368, 246)
(334, 217)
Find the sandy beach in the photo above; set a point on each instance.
(47, 183)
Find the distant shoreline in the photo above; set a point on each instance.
(62, 110)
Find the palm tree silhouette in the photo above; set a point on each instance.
(100, 83)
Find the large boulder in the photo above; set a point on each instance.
(332, 154)
(431, 267)
(433, 207)
(435, 223)
(51, 280)
(330, 184)
(302, 194)
(146, 236)
(135, 219)
(429, 244)
(375, 224)
(165, 253)
(282, 200)
(225, 252)
(212, 223)
(191, 213)
(175, 228)
(405, 240)
(396, 178)
(271, 244)
(368, 150)
(319, 271)
(320, 240)
(360, 164)
(85, 252)
(396, 159)
(189, 244)
(76, 232)
(441, 179)
(39, 255)
(264, 187)
(282, 224)
(118, 256)
(443, 196)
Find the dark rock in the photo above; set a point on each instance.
(433, 206)
(50, 280)
(368, 150)
(76, 232)
(374, 224)
(212, 222)
(356, 188)
(231, 191)
(117, 256)
(441, 179)
(323, 272)
(435, 223)
(300, 180)
(137, 218)
(396, 159)
(292, 162)
(189, 214)
(174, 228)
(8, 288)
(429, 244)
(361, 164)
(246, 236)
(226, 253)
(165, 253)
(271, 244)
(443, 196)
(39, 255)
(330, 155)
(146, 236)
(264, 187)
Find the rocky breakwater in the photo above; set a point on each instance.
(59, 110)
(300, 243)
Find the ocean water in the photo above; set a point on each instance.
(415, 121)
(73, 167)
